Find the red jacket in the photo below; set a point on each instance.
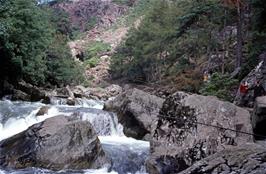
(243, 88)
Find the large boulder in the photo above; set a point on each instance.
(259, 118)
(248, 159)
(57, 143)
(137, 111)
(20, 95)
(27, 92)
(190, 128)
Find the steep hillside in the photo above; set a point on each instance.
(86, 14)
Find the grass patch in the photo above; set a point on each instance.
(93, 52)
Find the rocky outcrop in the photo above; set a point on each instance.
(248, 159)
(189, 129)
(137, 111)
(27, 92)
(256, 85)
(104, 93)
(259, 118)
(75, 94)
(57, 143)
(84, 12)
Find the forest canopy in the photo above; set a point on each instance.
(32, 46)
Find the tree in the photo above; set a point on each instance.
(61, 67)
(239, 5)
(33, 45)
(24, 37)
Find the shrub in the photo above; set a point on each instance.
(220, 86)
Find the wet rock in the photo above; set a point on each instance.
(79, 91)
(136, 110)
(185, 130)
(57, 143)
(64, 92)
(43, 110)
(71, 102)
(27, 92)
(20, 95)
(248, 159)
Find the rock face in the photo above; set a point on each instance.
(249, 159)
(183, 136)
(84, 12)
(27, 92)
(136, 110)
(256, 83)
(259, 118)
(57, 143)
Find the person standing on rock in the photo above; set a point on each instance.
(243, 89)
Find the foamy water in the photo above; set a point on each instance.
(16, 117)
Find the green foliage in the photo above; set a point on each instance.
(221, 86)
(92, 62)
(96, 48)
(139, 9)
(60, 21)
(33, 45)
(91, 23)
(257, 44)
(124, 2)
(173, 36)
(24, 37)
(61, 67)
(93, 51)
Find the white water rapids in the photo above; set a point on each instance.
(128, 155)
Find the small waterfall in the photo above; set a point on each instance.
(128, 155)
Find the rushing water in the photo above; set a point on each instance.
(128, 155)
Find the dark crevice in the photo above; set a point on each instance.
(260, 130)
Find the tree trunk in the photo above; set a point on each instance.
(239, 53)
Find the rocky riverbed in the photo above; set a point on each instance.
(187, 133)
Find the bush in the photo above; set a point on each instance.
(61, 67)
(220, 86)
(92, 62)
(96, 48)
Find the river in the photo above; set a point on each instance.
(128, 155)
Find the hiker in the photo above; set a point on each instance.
(206, 76)
(243, 89)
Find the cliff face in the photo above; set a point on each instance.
(85, 13)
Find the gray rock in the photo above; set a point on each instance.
(71, 101)
(137, 111)
(113, 90)
(57, 143)
(180, 135)
(35, 93)
(43, 110)
(248, 159)
(20, 95)
(259, 117)
(256, 83)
